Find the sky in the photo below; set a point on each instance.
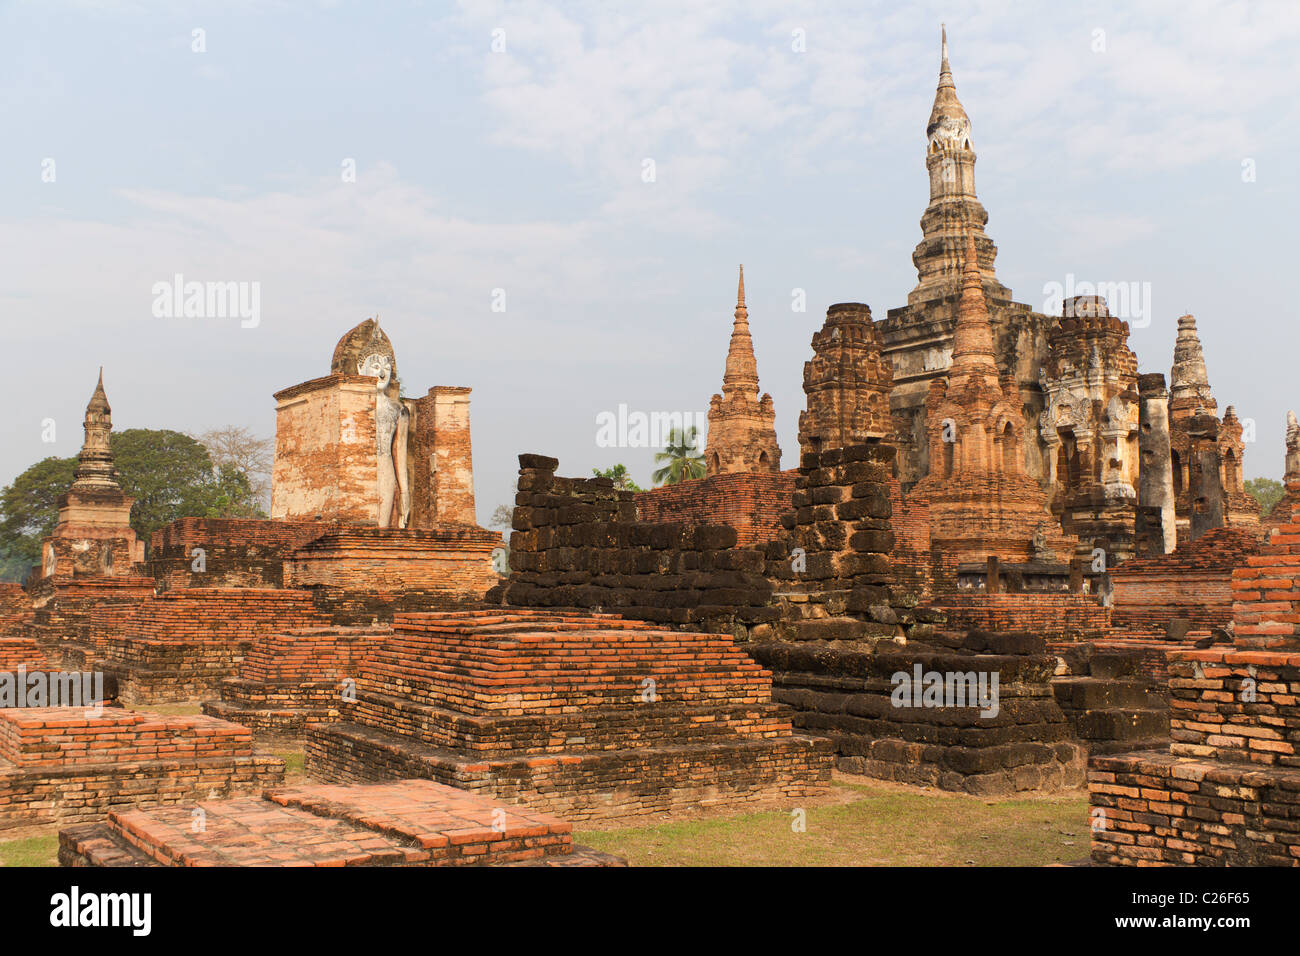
(548, 202)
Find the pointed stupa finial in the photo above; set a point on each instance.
(742, 369)
(95, 460)
(948, 120)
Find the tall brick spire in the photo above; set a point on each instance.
(742, 370)
(1189, 382)
(954, 210)
(972, 353)
(742, 427)
(95, 461)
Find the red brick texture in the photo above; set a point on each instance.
(63, 764)
(1193, 583)
(408, 823)
(587, 716)
(1228, 790)
(290, 681)
(750, 503)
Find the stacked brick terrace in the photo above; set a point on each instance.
(290, 681)
(1227, 792)
(409, 823)
(588, 716)
(68, 764)
(181, 644)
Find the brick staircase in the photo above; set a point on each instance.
(585, 715)
(1113, 707)
(408, 823)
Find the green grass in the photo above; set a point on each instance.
(294, 762)
(31, 851)
(862, 824)
(878, 825)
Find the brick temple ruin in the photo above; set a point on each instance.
(1005, 561)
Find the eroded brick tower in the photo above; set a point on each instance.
(981, 501)
(918, 337)
(1206, 454)
(742, 426)
(846, 384)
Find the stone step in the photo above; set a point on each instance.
(1122, 724)
(1092, 693)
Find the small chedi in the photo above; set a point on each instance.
(742, 427)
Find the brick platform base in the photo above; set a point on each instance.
(292, 681)
(62, 765)
(1162, 809)
(409, 823)
(844, 691)
(587, 716)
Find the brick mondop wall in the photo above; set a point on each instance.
(586, 716)
(752, 503)
(65, 765)
(409, 823)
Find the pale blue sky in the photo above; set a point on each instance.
(522, 170)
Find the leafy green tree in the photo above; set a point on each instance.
(170, 475)
(618, 474)
(29, 511)
(681, 458)
(1267, 492)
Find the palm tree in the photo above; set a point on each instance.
(680, 458)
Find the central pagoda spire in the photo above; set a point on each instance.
(954, 211)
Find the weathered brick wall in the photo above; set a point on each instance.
(577, 543)
(237, 552)
(325, 458)
(1193, 583)
(1055, 617)
(1266, 593)
(442, 459)
(291, 681)
(59, 764)
(70, 616)
(752, 503)
(1228, 790)
(1159, 809)
(452, 561)
(1234, 706)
